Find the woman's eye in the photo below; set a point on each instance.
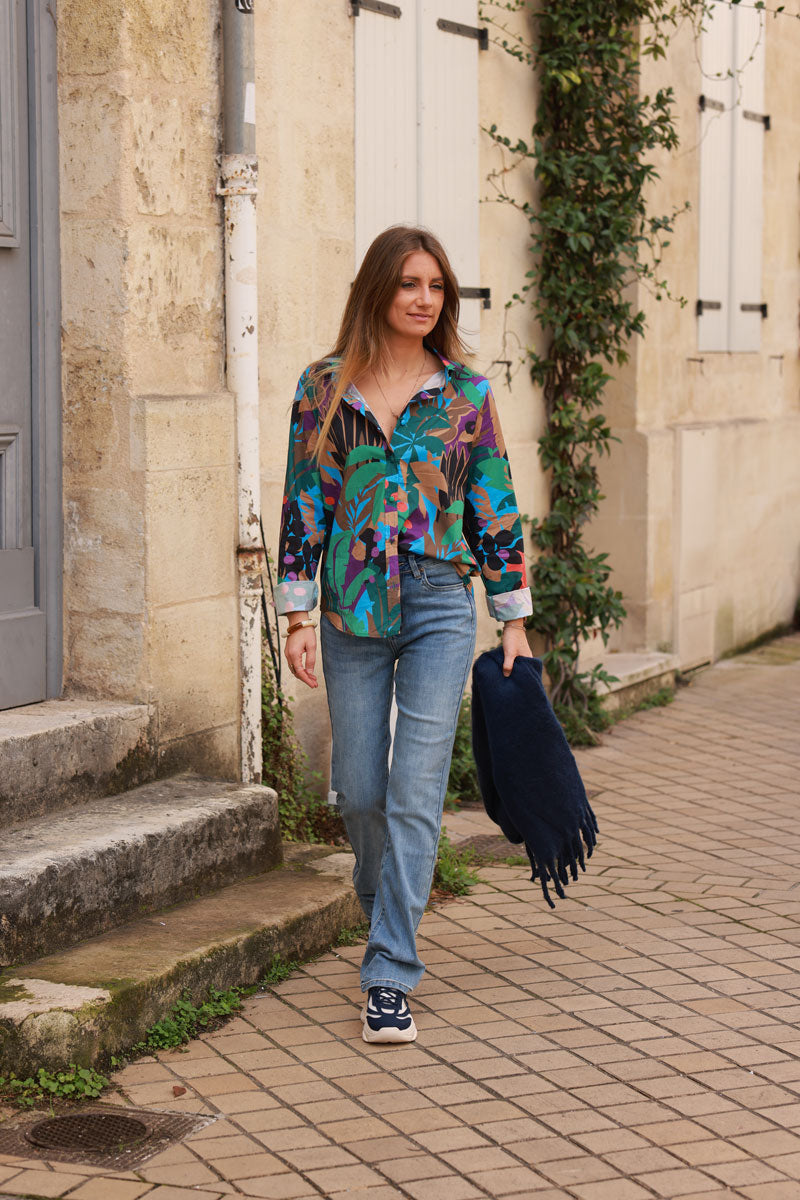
(407, 283)
(438, 287)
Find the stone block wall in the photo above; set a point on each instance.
(149, 460)
(306, 206)
(703, 488)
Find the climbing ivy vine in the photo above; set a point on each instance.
(591, 236)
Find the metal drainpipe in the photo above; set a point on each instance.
(239, 177)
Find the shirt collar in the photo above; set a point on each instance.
(357, 403)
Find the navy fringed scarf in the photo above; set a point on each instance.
(527, 773)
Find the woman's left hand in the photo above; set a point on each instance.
(515, 644)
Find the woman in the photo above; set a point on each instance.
(398, 478)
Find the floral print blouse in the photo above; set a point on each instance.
(440, 488)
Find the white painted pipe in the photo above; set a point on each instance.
(239, 180)
(239, 188)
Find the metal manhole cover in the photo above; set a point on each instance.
(101, 1133)
(106, 1135)
(491, 845)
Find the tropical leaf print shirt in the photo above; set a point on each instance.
(440, 488)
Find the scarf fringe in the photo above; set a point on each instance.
(557, 872)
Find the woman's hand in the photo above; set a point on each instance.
(515, 644)
(301, 655)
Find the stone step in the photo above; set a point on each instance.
(74, 874)
(99, 998)
(637, 677)
(62, 752)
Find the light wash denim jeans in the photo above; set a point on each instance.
(393, 814)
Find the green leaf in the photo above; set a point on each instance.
(363, 477)
(366, 453)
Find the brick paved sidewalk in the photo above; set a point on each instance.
(642, 1040)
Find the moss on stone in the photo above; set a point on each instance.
(13, 991)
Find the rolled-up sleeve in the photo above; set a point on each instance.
(303, 516)
(492, 524)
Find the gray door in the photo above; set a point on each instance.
(23, 624)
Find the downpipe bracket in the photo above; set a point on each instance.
(251, 560)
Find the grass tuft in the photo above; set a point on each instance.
(452, 875)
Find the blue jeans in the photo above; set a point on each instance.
(393, 813)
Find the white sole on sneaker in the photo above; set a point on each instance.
(389, 1035)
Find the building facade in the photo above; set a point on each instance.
(118, 557)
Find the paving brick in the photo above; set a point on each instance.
(296, 1137)
(677, 1183)
(634, 1162)
(488, 1110)
(106, 1189)
(768, 1143)
(42, 1183)
(512, 1130)
(509, 1181)
(447, 1187)
(424, 1119)
(329, 1110)
(414, 1167)
(246, 1166)
(181, 1174)
(611, 1189)
(569, 1171)
(323, 1155)
(344, 1179)
(289, 1186)
(220, 1085)
(750, 1171)
(698, 1154)
(485, 1158)
(236, 1104)
(222, 1147)
(440, 1141)
(272, 1116)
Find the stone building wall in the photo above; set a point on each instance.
(149, 463)
(149, 450)
(306, 214)
(703, 489)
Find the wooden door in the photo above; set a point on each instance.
(23, 626)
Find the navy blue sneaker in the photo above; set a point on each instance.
(386, 1017)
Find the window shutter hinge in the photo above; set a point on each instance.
(707, 102)
(477, 293)
(707, 306)
(759, 308)
(754, 116)
(481, 34)
(376, 6)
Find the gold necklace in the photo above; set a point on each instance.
(417, 378)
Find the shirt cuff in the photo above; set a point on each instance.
(506, 606)
(296, 595)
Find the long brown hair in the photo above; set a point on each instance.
(361, 344)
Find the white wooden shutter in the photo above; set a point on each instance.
(716, 180)
(385, 121)
(747, 181)
(447, 177)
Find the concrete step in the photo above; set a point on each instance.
(637, 677)
(99, 998)
(74, 874)
(62, 752)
